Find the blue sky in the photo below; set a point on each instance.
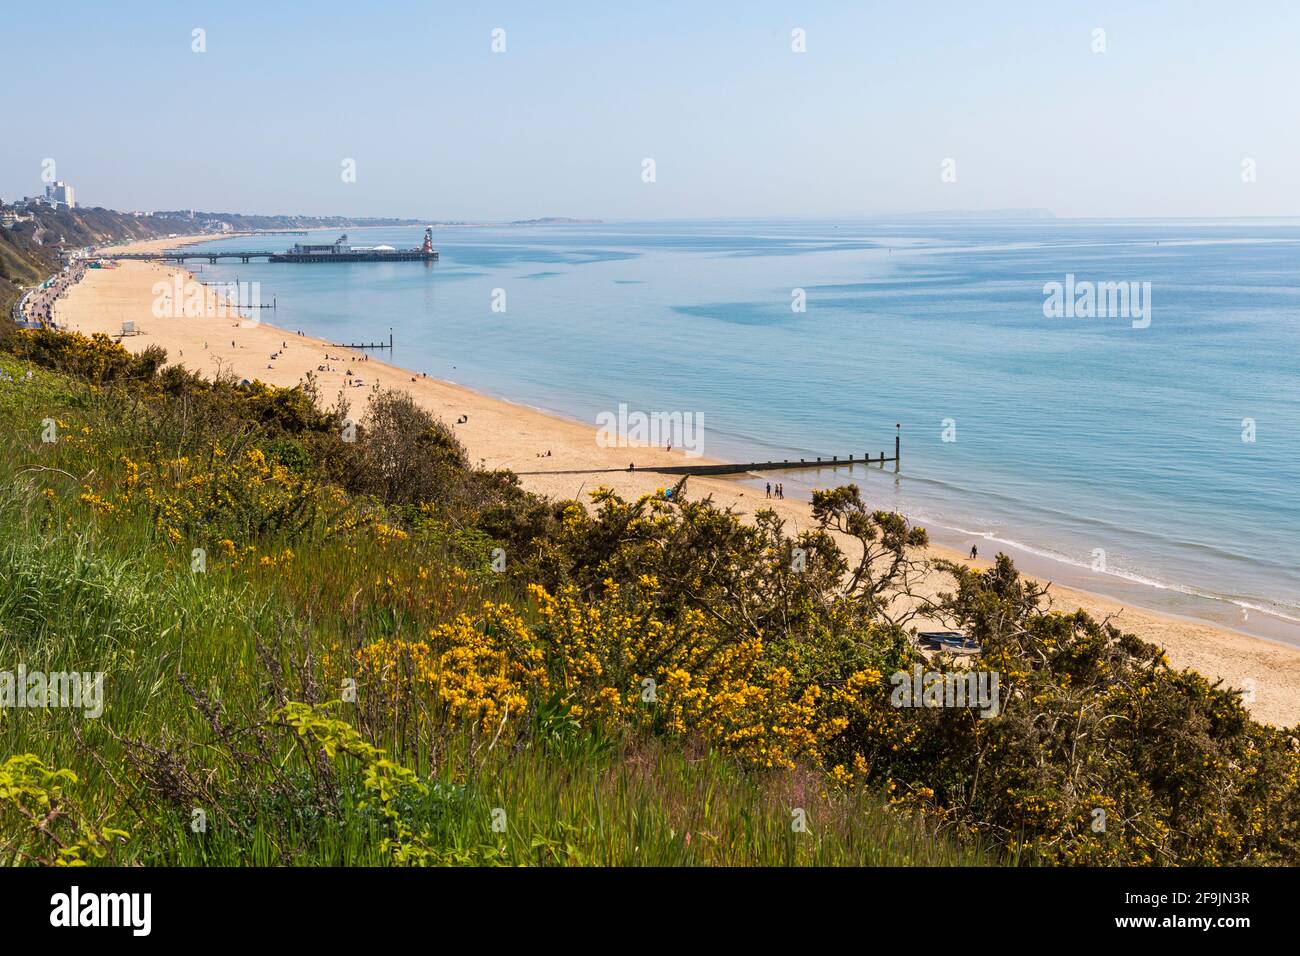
(737, 123)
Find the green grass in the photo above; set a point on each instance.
(639, 805)
(87, 594)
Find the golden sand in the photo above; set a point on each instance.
(500, 434)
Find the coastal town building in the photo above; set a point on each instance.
(10, 216)
(60, 194)
(57, 195)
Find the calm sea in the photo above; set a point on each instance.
(1157, 464)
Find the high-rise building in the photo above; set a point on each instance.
(61, 194)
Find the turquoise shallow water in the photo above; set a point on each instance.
(1073, 436)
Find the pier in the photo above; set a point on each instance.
(248, 255)
(337, 251)
(181, 255)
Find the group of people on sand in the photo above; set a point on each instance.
(350, 380)
(39, 306)
(775, 492)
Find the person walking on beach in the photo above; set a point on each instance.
(769, 489)
(974, 552)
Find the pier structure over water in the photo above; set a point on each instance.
(337, 251)
(182, 255)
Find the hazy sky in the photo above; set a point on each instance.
(738, 124)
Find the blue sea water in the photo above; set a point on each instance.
(1074, 436)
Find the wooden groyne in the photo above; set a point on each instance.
(365, 345)
(239, 305)
(786, 464)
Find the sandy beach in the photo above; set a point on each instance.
(500, 434)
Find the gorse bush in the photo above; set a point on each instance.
(340, 675)
(96, 358)
(1096, 720)
(407, 456)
